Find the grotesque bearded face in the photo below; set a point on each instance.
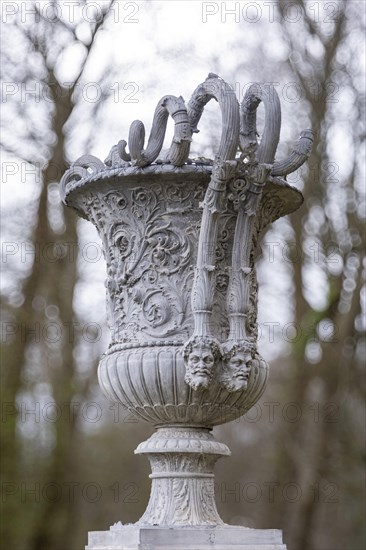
(236, 370)
(200, 365)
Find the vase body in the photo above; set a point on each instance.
(149, 223)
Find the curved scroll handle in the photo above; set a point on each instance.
(202, 350)
(299, 155)
(258, 172)
(83, 167)
(239, 352)
(265, 152)
(179, 150)
(216, 88)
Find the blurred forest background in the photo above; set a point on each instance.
(74, 76)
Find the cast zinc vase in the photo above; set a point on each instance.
(180, 238)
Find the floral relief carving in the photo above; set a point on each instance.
(148, 259)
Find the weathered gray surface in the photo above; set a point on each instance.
(180, 238)
(130, 537)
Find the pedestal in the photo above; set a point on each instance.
(182, 490)
(181, 513)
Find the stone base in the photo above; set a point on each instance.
(181, 513)
(134, 537)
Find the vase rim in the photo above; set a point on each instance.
(291, 197)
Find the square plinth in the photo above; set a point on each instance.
(134, 537)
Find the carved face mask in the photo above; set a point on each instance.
(200, 365)
(236, 371)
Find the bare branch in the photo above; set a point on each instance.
(57, 20)
(98, 26)
(17, 153)
(333, 43)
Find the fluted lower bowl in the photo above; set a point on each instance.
(149, 382)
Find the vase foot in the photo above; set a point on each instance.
(182, 462)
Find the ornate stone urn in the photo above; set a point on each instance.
(180, 238)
